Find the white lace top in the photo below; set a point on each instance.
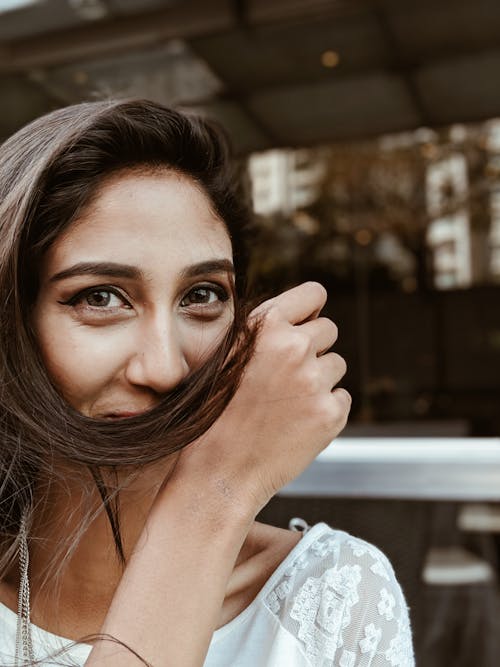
(333, 601)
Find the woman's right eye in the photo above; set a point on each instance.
(98, 299)
(102, 299)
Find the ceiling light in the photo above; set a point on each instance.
(363, 237)
(330, 58)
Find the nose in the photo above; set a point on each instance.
(157, 362)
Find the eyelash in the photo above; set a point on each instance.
(221, 293)
(76, 299)
(218, 290)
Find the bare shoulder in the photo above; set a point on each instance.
(267, 546)
(263, 551)
(277, 542)
(8, 594)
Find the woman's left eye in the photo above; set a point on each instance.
(204, 295)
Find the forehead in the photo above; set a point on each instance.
(145, 217)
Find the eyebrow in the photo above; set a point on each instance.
(116, 270)
(210, 266)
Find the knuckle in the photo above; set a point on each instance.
(312, 379)
(342, 401)
(297, 344)
(329, 331)
(341, 364)
(333, 410)
(324, 412)
(334, 330)
(272, 313)
(272, 321)
(288, 345)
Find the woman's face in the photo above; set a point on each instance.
(135, 294)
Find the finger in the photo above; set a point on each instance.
(343, 396)
(297, 304)
(323, 333)
(332, 369)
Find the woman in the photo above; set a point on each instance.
(147, 417)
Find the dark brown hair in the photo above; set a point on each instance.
(49, 172)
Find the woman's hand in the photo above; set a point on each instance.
(285, 411)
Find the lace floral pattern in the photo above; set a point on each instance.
(342, 603)
(322, 608)
(400, 649)
(386, 604)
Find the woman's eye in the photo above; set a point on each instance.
(205, 296)
(102, 298)
(98, 299)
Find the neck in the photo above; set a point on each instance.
(74, 580)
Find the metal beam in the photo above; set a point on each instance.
(116, 35)
(183, 20)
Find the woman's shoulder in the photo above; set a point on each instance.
(325, 547)
(322, 550)
(337, 593)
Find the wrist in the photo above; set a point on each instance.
(213, 498)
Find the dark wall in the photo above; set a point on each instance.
(427, 355)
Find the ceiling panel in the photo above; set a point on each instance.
(245, 131)
(428, 28)
(467, 84)
(277, 54)
(343, 109)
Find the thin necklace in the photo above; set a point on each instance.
(24, 644)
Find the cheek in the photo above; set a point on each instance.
(78, 362)
(200, 341)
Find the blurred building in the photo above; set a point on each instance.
(449, 232)
(493, 145)
(285, 180)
